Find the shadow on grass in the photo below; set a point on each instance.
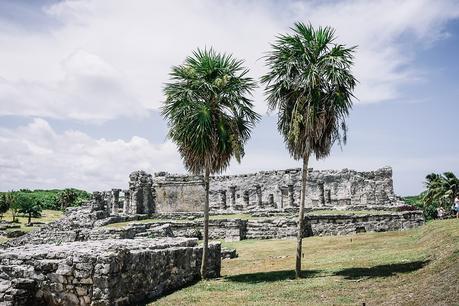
(381, 270)
(273, 276)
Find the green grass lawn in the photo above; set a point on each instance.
(413, 267)
(46, 216)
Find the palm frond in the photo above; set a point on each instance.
(209, 109)
(311, 85)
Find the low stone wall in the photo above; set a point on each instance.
(343, 225)
(328, 225)
(280, 227)
(272, 228)
(107, 272)
(226, 229)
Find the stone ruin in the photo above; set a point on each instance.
(104, 272)
(67, 263)
(265, 190)
(77, 260)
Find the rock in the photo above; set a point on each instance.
(229, 253)
(15, 233)
(105, 271)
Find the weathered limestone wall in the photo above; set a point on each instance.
(178, 193)
(281, 189)
(331, 225)
(107, 272)
(141, 197)
(278, 227)
(275, 190)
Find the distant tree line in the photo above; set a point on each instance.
(31, 203)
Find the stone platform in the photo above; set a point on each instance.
(103, 272)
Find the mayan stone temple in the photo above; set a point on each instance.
(89, 257)
(265, 190)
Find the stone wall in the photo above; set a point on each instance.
(107, 272)
(331, 225)
(276, 190)
(281, 189)
(273, 227)
(178, 193)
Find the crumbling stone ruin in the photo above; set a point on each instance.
(280, 189)
(67, 263)
(80, 260)
(107, 272)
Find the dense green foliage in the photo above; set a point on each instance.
(4, 204)
(310, 83)
(441, 189)
(49, 199)
(209, 110)
(440, 192)
(28, 206)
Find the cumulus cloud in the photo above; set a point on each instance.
(105, 59)
(36, 156)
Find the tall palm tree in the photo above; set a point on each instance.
(311, 85)
(209, 112)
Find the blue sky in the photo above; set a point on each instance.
(81, 82)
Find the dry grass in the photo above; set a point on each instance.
(414, 267)
(46, 216)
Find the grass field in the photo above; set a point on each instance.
(46, 216)
(413, 267)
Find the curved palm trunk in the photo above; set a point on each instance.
(205, 247)
(299, 239)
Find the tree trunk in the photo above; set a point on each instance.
(205, 247)
(299, 239)
(30, 217)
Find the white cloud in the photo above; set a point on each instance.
(105, 59)
(36, 156)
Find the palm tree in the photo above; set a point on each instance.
(310, 83)
(210, 116)
(441, 189)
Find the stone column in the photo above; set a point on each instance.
(233, 196)
(321, 193)
(291, 199)
(115, 201)
(271, 200)
(107, 195)
(126, 202)
(222, 199)
(245, 199)
(327, 196)
(98, 201)
(140, 187)
(259, 196)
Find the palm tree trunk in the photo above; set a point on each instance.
(299, 239)
(205, 247)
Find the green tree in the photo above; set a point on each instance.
(441, 189)
(30, 207)
(311, 85)
(4, 205)
(67, 198)
(210, 117)
(12, 204)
